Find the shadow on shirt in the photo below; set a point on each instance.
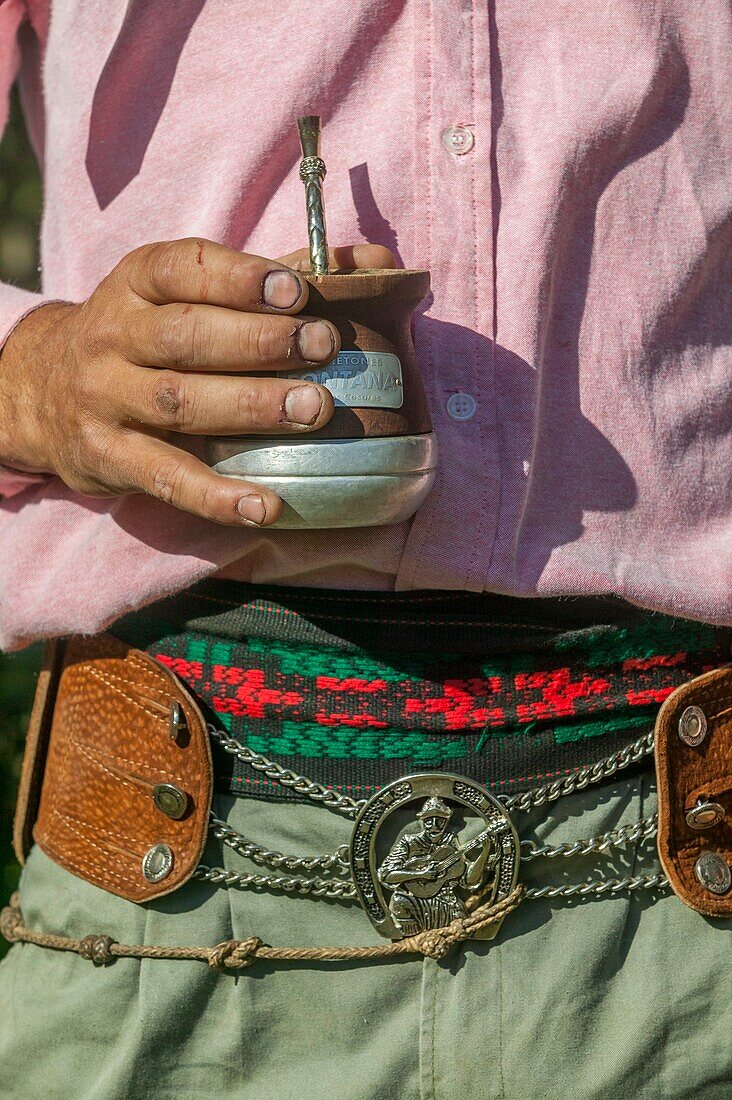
(132, 91)
(584, 471)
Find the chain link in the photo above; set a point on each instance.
(643, 829)
(599, 886)
(294, 884)
(341, 887)
(522, 802)
(583, 777)
(342, 890)
(316, 792)
(337, 863)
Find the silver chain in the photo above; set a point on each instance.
(599, 886)
(294, 884)
(643, 829)
(345, 891)
(582, 777)
(336, 864)
(316, 792)
(523, 802)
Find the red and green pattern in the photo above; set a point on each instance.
(367, 718)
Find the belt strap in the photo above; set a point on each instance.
(36, 748)
(120, 754)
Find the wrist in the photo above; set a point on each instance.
(33, 345)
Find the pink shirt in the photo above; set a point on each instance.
(574, 225)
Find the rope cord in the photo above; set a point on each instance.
(238, 954)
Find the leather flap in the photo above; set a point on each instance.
(688, 774)
(110, 747)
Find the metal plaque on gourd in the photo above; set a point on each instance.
(359, 379)
(428, 849)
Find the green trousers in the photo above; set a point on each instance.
(606, 998)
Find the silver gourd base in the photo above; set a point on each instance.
(339, 482)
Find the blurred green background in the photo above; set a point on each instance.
(20, 211)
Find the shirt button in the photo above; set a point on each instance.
(458, 140)
(461, 406)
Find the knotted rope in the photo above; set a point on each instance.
(237, 954)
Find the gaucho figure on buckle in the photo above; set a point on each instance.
(427, 869)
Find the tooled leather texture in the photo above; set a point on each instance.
(109, 746)
(684, 774)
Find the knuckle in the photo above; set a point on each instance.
(265, 343)
(86, 485)
(124, 267)
(210, 502)
(139, 255)
(251, 406)
(168, 479)
(86, 460)
(180, 338)
(214, 501)
(242, 273)
(100, 332)
(198, 335)
(134, 263)
(106, 457)
(171, 400)
(88, 443)
(81, 389)
(163, 262)
(174, 483)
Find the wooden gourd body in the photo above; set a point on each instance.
(374, 462)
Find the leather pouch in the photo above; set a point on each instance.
(692, 776)
(101, 746)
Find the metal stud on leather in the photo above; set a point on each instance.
(694, 771)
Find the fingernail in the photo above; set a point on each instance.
(251, 509)
(315, 341)
(303, 405)
(280, 289)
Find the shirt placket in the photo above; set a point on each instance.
(452, 536)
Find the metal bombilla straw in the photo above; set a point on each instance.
(312, 173)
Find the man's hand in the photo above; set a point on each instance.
(96, 392)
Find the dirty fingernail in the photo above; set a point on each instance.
(281, 289)
(251, 509)
(315, 341)
(303, 405)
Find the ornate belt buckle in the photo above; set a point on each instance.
(417, 860)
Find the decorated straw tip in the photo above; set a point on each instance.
(312, 173)
(309, 128)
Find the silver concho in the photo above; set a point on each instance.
(418, 860)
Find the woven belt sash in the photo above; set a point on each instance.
(359, 688)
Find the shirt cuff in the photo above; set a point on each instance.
(15, 305)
